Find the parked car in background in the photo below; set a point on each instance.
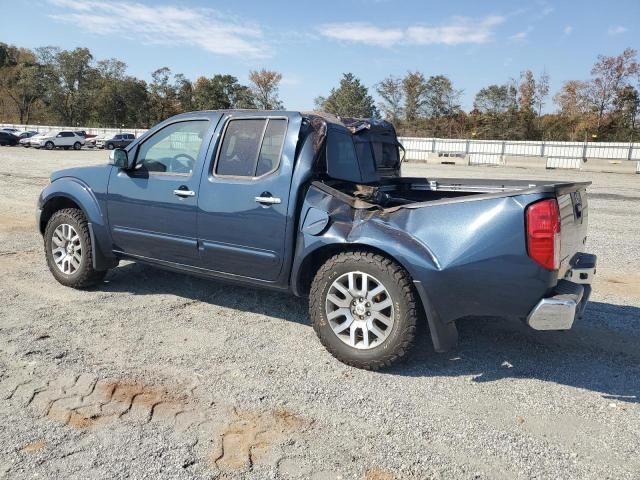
(83, 133)
(91, 142)
(11, 130)
(118, 140)
(26, 134)
(58, 139)
(24, 138)
(8, 139)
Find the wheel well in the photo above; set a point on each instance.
(312, 263)
(52, 206)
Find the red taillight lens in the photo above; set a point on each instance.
(543, 233)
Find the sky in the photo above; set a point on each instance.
(475, 43)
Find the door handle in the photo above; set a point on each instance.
(184, 193)
(268, 200)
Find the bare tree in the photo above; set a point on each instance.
(541, 91)
(610, 75)
(527, 91)
(391, 93)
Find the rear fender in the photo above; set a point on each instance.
(347, 228)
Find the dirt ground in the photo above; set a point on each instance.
(160, 375)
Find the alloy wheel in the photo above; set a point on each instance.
(66, 249)
(360, 310)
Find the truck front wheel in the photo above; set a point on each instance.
(68, 249)
(363, 308)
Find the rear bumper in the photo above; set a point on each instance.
(569, 298)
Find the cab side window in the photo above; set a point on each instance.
(251, 147)
(174, 149)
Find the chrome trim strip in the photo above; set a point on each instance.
(269, 200)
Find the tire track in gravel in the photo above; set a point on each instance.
(231, 440)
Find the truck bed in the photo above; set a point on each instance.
(412, 192)
(393, 195)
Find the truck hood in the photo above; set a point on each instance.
(89, 175)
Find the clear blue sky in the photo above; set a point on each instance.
(312, 43)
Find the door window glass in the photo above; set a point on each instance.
(174, 149)
(239, 151)
(271, 146)
(251, 147)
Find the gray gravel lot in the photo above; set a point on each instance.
(160, 375)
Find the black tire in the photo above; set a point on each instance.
(110, 146)
(49, 146)
(405, 311)
(84, 276)
(77, 146)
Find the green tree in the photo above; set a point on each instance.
(21, 79)
(496, 99)
(441, 99)
(69, 83)
(626, 108)
(162, 95)
(497, 109)
(350, 99)
(415, 95)
(184, 93)
(220, 92)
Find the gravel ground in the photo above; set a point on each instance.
(160, 375)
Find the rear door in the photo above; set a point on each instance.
(244, 195)
(152, 208)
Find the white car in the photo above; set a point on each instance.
(58, 138)
(93, 141)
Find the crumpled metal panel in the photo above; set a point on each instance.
(470, 256)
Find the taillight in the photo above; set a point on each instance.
(543, 233)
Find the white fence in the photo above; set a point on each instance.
(470, 152)
(494, 152)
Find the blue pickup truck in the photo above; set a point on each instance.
(315, 205)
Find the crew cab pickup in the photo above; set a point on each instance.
(315, 205)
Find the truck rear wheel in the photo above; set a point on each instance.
(363, 309)
(68, 249)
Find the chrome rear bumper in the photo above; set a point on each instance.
(570, 298)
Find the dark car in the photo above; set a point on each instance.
(8, 139)
(119, 140)
(316, 206)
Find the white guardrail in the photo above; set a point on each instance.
(571, 155)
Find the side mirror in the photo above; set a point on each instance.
(119, 158)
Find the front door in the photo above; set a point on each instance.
(244, 195)
(152, 208)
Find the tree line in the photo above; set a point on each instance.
(50, 85)
(604, 107)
